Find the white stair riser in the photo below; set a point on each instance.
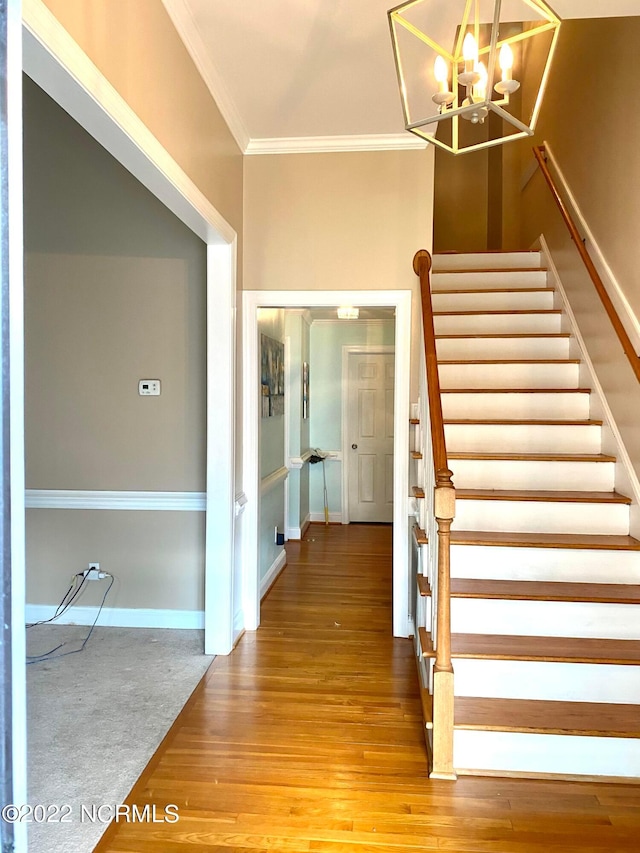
(510, 474)
(570, 406)
(484, 324)
(523, 438)
(487, 260)
(545, 618)
(537, 753)
(478, 280)
(508, 375)
(547, 680)
(477, 348)
(545, 564)
(542, 517)
(514, 300)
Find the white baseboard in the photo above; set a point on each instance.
(623, 458)
(118, 617)
(297, 533)
(334, 517)
(274, 570)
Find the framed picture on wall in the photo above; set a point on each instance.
(272, 376)
(305, 390)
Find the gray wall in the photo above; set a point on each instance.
(115, 292)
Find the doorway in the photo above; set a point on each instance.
(400, 300)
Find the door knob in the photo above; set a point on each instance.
(354, 446)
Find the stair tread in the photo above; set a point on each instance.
(424, 586)
(415, 454)
(581, 541)
(541, 495)
(414, 421)
(491, 270)
(438, 292)
(508, 361)
(516, 422)
(547, 717)
(515, 390)
(471, 336)
(544, 311)
(420, 535)
(535, 457)
(556, 649)
(418, 491)
(518, 590)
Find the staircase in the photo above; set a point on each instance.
(545, 614)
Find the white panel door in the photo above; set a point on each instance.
(370, 436)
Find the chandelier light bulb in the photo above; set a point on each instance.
(506, 86)
(506, 61)
(470, 55)
(441, 72)
(469, 52)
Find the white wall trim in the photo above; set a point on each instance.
(240, 503)
(611, 283)
(401, 301)
(118, 617)
(272, 573)
(273, 479)
(348, 350)
(68, 499)
(334, 517)
(51, 57)
(297, 462)
(18, 733)
(326, 144)
(60, 67)
(621, 451)
(187, 29)
(297, 533)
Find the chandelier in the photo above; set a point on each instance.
(461, 68)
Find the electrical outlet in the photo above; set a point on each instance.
(93, 573)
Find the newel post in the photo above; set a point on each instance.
(443, 704)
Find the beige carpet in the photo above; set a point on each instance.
(95, 718)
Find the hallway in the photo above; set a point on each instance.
(308, 738)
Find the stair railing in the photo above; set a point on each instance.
(627, 346)
(439, 508)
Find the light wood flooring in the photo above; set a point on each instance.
(308, 737)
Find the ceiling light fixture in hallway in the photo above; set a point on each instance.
(477, 56)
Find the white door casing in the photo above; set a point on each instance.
(368, 405)
(401, 301)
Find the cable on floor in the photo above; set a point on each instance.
(50, 655)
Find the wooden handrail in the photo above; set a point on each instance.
(539, 153)
(422, 268)
(444, 510)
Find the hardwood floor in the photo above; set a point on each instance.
(308, 738)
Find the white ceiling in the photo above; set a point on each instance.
(312, 74)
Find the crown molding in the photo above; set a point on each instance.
(187, 29)
(332, 144)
